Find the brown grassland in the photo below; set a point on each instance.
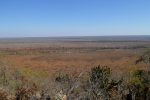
(73, 57)
(68, 68)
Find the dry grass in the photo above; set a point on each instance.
(70, 60)
(38, 66)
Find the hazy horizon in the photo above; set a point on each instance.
(77, 36)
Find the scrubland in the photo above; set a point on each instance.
(74, 70)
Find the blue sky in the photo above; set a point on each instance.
(36, 18)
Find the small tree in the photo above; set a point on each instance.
(146, 59)
(99, 82)
(138, 84)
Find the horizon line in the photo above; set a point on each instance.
(67, 36)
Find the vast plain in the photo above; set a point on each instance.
(42, 61)
(74, 54)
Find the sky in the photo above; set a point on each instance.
(45, 18)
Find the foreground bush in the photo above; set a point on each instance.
(97, 84)
(139, 85)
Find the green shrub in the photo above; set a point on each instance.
(100, 76)
(138, 83)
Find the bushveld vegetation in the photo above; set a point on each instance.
(75, 71)
(96, 84)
